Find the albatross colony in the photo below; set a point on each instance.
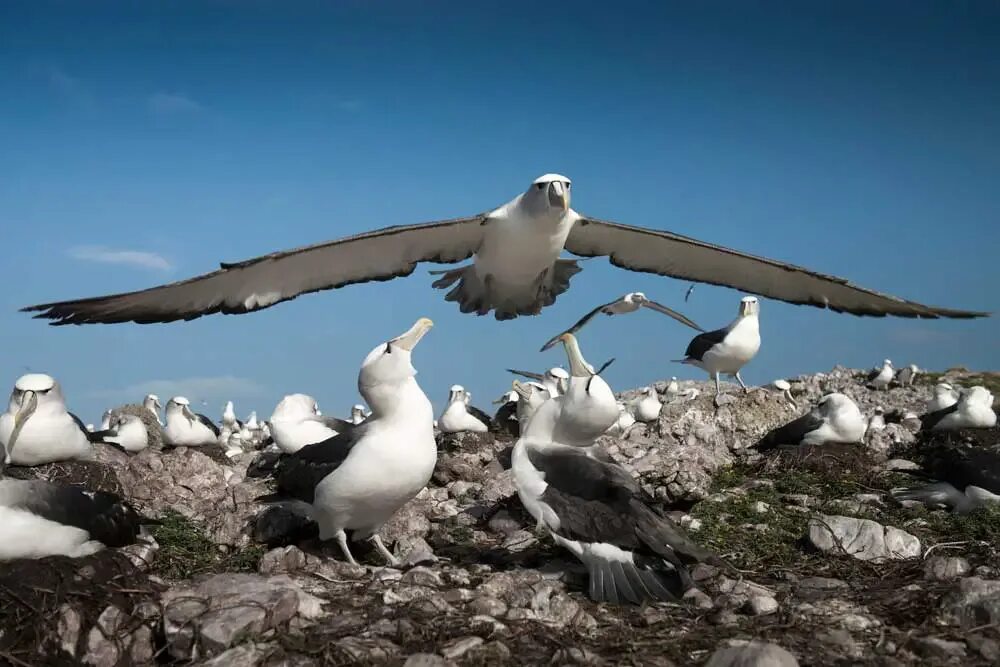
(516, 268)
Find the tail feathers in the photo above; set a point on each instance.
(284, 524)
(940, 493)
(625, 582)
(473, 296)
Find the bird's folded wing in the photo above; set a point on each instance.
(207, 421)
(299, 473)
(667, 254)
(931, 419)
(258, 283)
(704, 342)
(966, 466)
(792, 432)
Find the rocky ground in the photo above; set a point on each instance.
(825, 568)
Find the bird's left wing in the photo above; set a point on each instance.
(676, 256)
(579, 324)
(207, 421)
(258, 283)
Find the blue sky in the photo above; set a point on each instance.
(145, 142)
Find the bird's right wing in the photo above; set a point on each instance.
(791, 433)
(670, 312)
(258, 283)
(579, 324)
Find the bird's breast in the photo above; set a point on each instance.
(515, 249)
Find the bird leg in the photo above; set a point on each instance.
(385, 553)
(542, 292)
(342, 541)
(746, 389)
(718, 387)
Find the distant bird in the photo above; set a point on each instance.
(40, 518)
(505, 420)
(516, 268)
(729, 349)
(554, 381)
(973, 410)
(593, 507)
(296, 422)
(963, 478)
(646, 407)
(481, 415)
(877, 420)
(673, 390)
(945, 396)
(152, 403)
(690, 290)
(531, 395)
(358, 414)
(834, 419)
(105, 420)
(229, 419)
(129, 432)
(628, 303)
(785, 388)
(623, 425)
(359, 478)
(456, 418)
(37, 428)
(880, 377)
(187, 429)
(906, 376)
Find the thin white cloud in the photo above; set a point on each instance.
(137, 258)
(195, 389)
(71, 88)
(165, 104)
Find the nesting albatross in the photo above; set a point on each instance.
(516, 268)
(590, 505)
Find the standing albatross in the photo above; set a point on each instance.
(516, 268)
(359, 478)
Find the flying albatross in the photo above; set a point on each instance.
(592, 506)
(516, 268)
(627, 303)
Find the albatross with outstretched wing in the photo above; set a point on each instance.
(516, 268)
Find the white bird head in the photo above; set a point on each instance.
(358, 414)
(34, 393)
(559, 379)
(635, 297)
(835, 401)
(180, 406)
(887, 362)
(151, 402)
(456, 393)
(548, 196)
(589, 406)
(749, 306)
(294, 408)
(390, 365)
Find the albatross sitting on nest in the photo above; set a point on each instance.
(516, 268)
(358, 479)
(37, 428)
(40, 518)
(592, 506)
(186, 428)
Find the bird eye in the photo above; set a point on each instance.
(568, 185)
(540, 186)
(388, 348)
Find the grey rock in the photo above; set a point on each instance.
(974, 602)
(762, 605)
(946, 568)
(936, 648)
(207, 616)
(456, 648)
(985, 646)
(426, 660)
(862, 539)
(752, 654)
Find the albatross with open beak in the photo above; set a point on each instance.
(516, 268)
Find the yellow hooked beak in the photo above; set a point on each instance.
(410, 339)
(29, 401)
(559, 196)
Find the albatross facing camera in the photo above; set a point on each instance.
(37, 429)
(516, 268)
